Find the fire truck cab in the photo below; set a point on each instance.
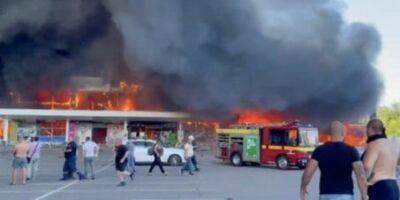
(283, 145)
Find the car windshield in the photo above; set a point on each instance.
(308, 137)
(139, 143)
(149, 144)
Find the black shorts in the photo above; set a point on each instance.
(120, 166)
(384, 190)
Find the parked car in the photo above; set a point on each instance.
(172, 156)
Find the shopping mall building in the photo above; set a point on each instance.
(56, 126)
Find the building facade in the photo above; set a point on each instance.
(103, 126)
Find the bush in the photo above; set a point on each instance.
(390, 115)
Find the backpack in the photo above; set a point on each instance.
(150, 151)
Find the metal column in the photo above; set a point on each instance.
(5, 129)
(125, 130)
(67, 130)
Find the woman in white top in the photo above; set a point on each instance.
(188, 153)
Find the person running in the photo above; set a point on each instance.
(33, 157)
(121, 161)
(188, 154)
(157, 152)
(194, 159)
(90, 152)
(20, 163)
(131, 157)
(380, 162)
(336, 161)
(69, 167)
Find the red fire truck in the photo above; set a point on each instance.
(283, 145)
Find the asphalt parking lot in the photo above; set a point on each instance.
(216, 180)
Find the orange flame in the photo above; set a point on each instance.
(121, 97)
(127, 105)
(257, 117)
(354, 135)
(324, 137)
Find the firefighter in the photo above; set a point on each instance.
(70, 161)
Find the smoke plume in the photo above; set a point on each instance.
(209, 57)
(44, 42)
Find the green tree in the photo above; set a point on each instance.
(390, 115)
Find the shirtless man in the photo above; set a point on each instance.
(380, 162)
(20, 162)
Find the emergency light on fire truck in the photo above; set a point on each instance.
(283, 144)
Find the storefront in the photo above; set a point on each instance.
(57, 126)
(51, 131)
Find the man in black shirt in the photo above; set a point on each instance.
(121, 161)
(70, 161)
(194, 159)
(336, 161)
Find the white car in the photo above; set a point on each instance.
(171, 156)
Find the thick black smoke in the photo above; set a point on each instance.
(209, 56)
(45, 42)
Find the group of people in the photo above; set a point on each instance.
(26, 159)
(27, 153)
(375, 170)
(90, 152)
(125, 160)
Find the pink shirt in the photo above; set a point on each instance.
(34, 150)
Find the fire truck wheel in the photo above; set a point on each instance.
(174, 160)
(282, 162)
(236, 159)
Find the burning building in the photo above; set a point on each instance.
(89, 108)
(55, 126)
(89, 93)
(208, 58)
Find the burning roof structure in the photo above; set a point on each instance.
(87, 93)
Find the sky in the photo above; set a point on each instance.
(385, 16)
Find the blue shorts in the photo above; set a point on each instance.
(336, 197)
(19, 163)
(384, 189)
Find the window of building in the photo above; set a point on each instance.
(52, 128)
